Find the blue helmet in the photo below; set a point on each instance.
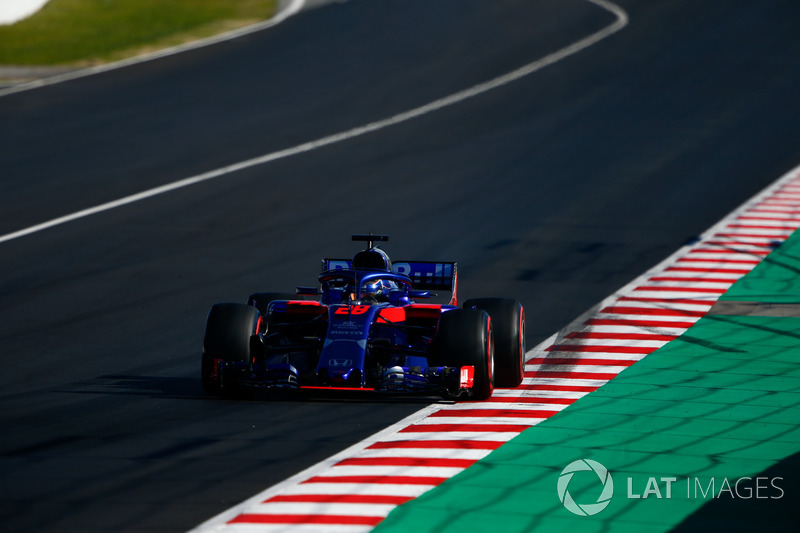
(377, 288)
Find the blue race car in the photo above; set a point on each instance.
(362, 328)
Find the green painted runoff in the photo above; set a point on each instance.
(701, 434)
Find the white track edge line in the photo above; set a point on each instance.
(628, 289)
(530, 68)
(219, 522)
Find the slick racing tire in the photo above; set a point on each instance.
(261, 300)
(465, 339)
(508, 325)
(228, 330)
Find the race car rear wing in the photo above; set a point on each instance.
(425, 275)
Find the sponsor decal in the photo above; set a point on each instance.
(467, 377)
(347, 328)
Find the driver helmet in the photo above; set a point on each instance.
(376, 288)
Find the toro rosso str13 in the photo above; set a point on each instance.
(363, 328)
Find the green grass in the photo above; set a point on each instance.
(87, 32)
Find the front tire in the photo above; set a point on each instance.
(227, 340)
(508, 323)
(465, 339)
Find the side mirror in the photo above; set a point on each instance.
(398, 298)
(419, 294)
(307, 291)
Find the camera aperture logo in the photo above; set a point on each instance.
(603, 475)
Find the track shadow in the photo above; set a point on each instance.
(775, 510)
(151, 386)
(191, 388)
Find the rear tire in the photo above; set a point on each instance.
(508, 323)
(228, 330)
(465, 339)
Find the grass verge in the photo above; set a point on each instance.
(89, 32)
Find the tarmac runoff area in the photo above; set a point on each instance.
(11, 76)
(701, 434)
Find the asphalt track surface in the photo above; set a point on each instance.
(557, 189)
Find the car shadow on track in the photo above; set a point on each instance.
(191, 388)
(151, 386)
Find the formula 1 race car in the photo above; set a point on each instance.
(362, 328)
